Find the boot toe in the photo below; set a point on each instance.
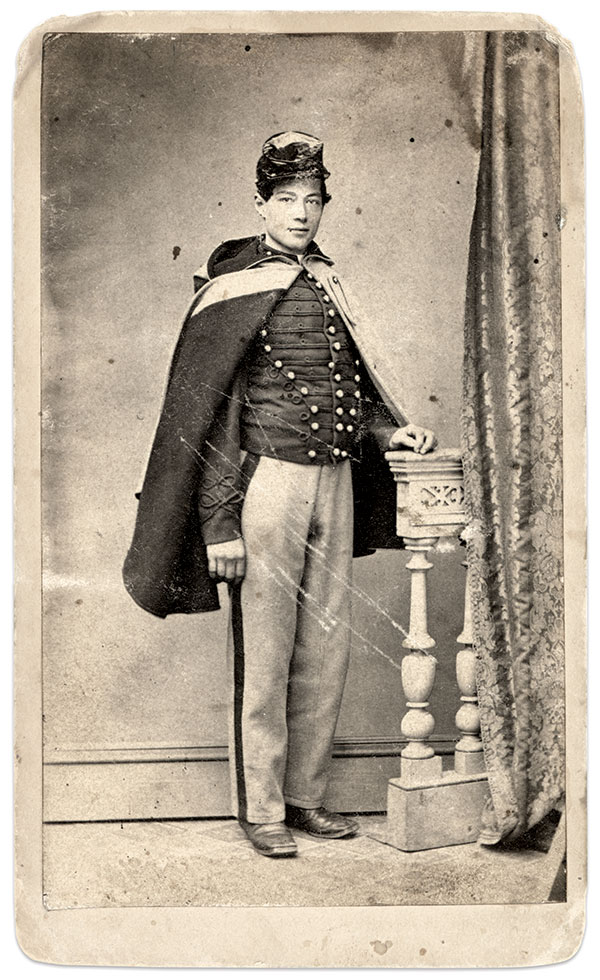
(319, 822)
(270, 839)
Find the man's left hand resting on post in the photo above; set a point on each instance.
(413, 437)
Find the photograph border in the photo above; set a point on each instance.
(337, 936)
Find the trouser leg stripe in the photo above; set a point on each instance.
(238, 697)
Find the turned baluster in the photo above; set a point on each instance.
(468, 757)
(418, 666)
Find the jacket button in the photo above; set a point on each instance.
(339, 393)
(349, 428)
(336, 451)
(331, 312)
(357, 378)
(268, 348)
(326, 298)
(263, 333)
(331, 329)
(352, 411)
(311, 453)
(357, 362)
(278, 364)
(304, 391)
(339, 411)
(314, 426)
(337, 377)
(331, 365)
(335, 279)
(357, 394)
(344, 453)
(314, 409)
(291, 375)
(318, 285)
(337, 345)
(339, 426)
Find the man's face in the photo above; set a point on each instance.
(292, 214)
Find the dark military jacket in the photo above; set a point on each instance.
(166, 568)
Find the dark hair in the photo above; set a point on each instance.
(266, 186)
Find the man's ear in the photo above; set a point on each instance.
(259, 204)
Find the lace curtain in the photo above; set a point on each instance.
(512, 434)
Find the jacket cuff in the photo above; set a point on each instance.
(382, 435)
(220, 528)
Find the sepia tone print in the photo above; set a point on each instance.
(302, 401)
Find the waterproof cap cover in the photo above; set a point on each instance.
(291, 155)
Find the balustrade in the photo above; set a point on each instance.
(427, 806)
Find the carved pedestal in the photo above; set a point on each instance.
(426, 806)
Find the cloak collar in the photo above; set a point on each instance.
(242, 253)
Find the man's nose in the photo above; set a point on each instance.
(300, 212)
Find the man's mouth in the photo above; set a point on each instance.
(303, 231)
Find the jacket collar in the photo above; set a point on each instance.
(313, 249)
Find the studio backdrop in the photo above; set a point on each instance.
(148, 156)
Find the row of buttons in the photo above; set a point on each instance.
(336, 452)
(336, 345)
(337, 377)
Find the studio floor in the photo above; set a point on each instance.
(209, 862)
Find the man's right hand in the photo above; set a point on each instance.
(227, 561)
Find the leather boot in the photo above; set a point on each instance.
(319, 822)
(270, 839)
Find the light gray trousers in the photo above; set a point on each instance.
(289, 636)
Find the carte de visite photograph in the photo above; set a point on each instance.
(309, 427)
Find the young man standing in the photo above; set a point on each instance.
(267, 473)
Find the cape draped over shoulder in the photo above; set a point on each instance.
(166, 569)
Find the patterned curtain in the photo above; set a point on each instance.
(512, 434)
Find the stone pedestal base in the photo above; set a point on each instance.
(434, 813)
(416, 772)
(468, 763)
